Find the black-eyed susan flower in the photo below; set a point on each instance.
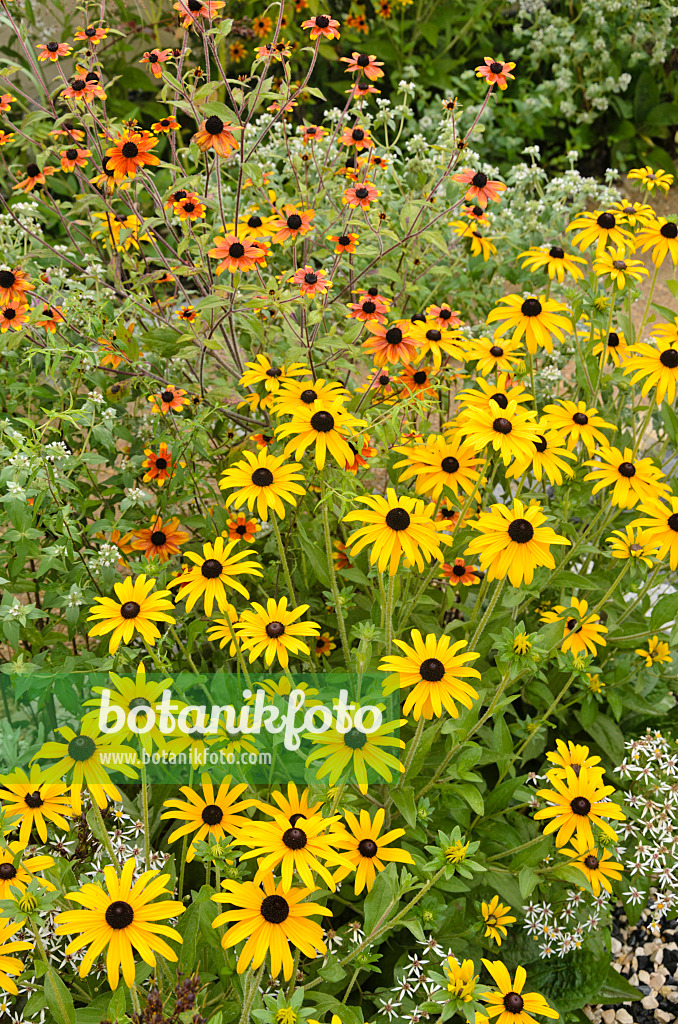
(214, 815)
(253, 226)
(367, 850)
(502, 391)
(583, 633)
(636, 215)
(572, 755)
(130, 694)
(122, 916)
(657, 365)
(130, 152)
(292, 222)
(160, 540)
(618, 268)
(31, 802)
(369, 307)
(189, 314)
(394, 344)
(444, 315)
(14, 284)
(510, 1004)
(165, 125)
(190, 209)
(633, 479)
(538, 320)
(597, 865)
(53, 51)
(358, 22)
(136, 610)
(240, 527)
(548, 458)
(650, 179)
(235, 254)
(9, 964)
(578, 801)
(74, 157)
(159, 467)
(212, 572)
(262, 25)
(274, 632)
(555, 260)
(631, 542)
(361, 195)
(35, 175)
(356, 751)
(17, 871)
(322, 25)
(439, 463)
(479, 188)
(217, 134)
(358, 138)
(514, 542)
(155, 59)
(417, 382)
(6, 137)
(310, 845)
(344, 243)
(461, 981)
(170, 398)
(396, 528)
(480, 244)
(492, 356)
(615, 344)
(88, 756)
(437, 342)
(270, 917)
(311, 282)
(265, 480)
(511, 431)
(365, 64)
(577, 422)
(324, 645)
(324, 427)
(660, 526)
(496, 916)
(262, 371)
(91, 35)
(294, 806)
(495, 72)
(49, 317)
(295, 396)
(657, 652)
(6, 101)
(121, 231)
(312, 133)
(192, 11)
(599, 228)
(437, 670)
(459, 572)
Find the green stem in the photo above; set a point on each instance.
(641, 595)
(283, 559)
(147, 824)
(486, 617)
(104, 834)
(250, 989)
(175, 636)
(388, 614)
(184, 846)
(333, 576)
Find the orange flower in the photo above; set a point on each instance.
(344, 243)
(460, 572)
(480, 188)
(154, 58)
(340, 557)
(91, 35)
(78, 90)
(6, 137)
(169, 398)
(365, 63)
(235, 253)
(160, 540)
(159, 466)
(167, 125)
(291, 223)
(322, 25)
(358, 22)
(189, 209)
(312, 132)
(360, 457)
(13, 285)
(130, 152)
(6, 101)
(14, 315)
(369, 307)
(176, 197)
(34, 176)
(274, 51)
(416, 381)
(444, 315)
(261, 26)
(50, 317)
(311, 281)
(192, 10)
(362, 195)
(217, 135)
(360, 89)
(72, 158)
(187, 313)
(389, 345)
(358, 137)
(53, 51)
(242, 528)
(495, 71)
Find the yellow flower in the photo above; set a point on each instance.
(10, 964)
(461, 978)
(396, 528)
(650, 179)
(496, 916)
(31, 802)
(582, 631)
(631, 543)
(212, 816)
(136, 610)
(273, 632)
(212, 572)
(596, 865)
(578, 801)
(514, 542)
(538, 319)
(657, 652)
(360, 750)
(366, 850)
(618, 267)
(556, 261)
(436, 669)
(510, 1004)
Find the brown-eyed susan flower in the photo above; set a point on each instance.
(582, 631)
(360, 456)
(212, 572)
(214, 815)
(344, 243)
(369, 307)
(660, 526)
(459, 572)
(165, 125)
(91, 35)
(436, 669)
(662, 238)
(74, 157)
(480, 244)
(13, 315)
(617, 349)
(77, 90)
(650, 179)
(292, 222)
(240, 527)
(357, 137)
(298, 395)
(136, 610)
(223, 630)
(357, 751)
(190, 209)
(396, 528)
(618, 268)
(280, 50)
(53, 51)
(599, 228)
(122, 917)
(121, 231)
(10, 964)
(572, 755)
(577, 801)
(160, 540)
(657, 652)
(359, 90)
(502, 391)
(417, 382)
(262, 25)
(493, 355)
(437, 464)
(311, 281)
(274, 632)
(547, 459)
(191, 11)
(436, 342)
(169, 398)
(235, 254)
(6, 101)
(326, 427)
(32, 802)
(262, 371)
(265, 480)
(510, 1004)
(394, 344)
(131, 151)
(20, 874)
(657, 365)
(577, 422)
(358, 22)
(364, 63)
(189, 314)
(35, 175)
(367, 850)
(631, 543)
(307, 846)
(177, 196)
(14, 283)
(362, 195)
(159, 466)
(511, 431)
(496, 916)
(444, 316)
(596, 864)
(322, 25)
(270, 918)
(513, 542)
(555, 260)
(155, 59)
(6, 137)
(495, 72)
(324, 645)
(633, 479)
(535, 319)
(635, 215)
(312, 133)
(217, 134)
(237, 52)
(480, 189)
(253, 226)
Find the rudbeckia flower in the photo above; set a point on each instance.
(324, 646)
(311, 281)
(362, 195)
(19, 875)
(159, 466)
(169, 398)
(357, 751)
(265, 480)
(633, 214)
(193, 10)
(662, 238)
(291, 223)
(326, 428)
(493, 356)
(660, 525)
(657, 652)
(496, 916)
(344, 243)
(556, 261)
(364, 63)
(367, 851)
(13, 315)
(600, 229)
(165, 125)
(190, 209)
(262, 25)
(236, 254)
(274, 632)
(215, 815)
(546, 459)
(301, 848)
(72, 158)
(394, 344)
(6, 137)
(651, 179)
(616, 347)
(514, 542)
(136, 610)
(511, 431)
(437, 670)
(459, 572)
(537, 319)
(262, 371)
(634, 479)
(32, 802)
(11, 964)
(217, 134)
(212, 572)
(614, 264)
(572, 755)
(575, 421)
(581, 631)
(6, 101)
(34, 176)
(297, 396)
(595, 864)
(631, 543)
(481, 189)
(322, 25)
(510, 1004)
(396, 527)
(503, 391)
(658, 364)
(160, 540)
(358, 137)
(131, 151)
(437, 342)
(369, 307)
(189, 314)
(438, 463)
(91, 35)
(13, 285)
(53, 51)
(312, 133)
(496, 72)
(578, 801)
(155, 59)
(239, 527)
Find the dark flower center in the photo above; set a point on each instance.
(139, 702)
(214, 125)
(294, 818)
(274, 371)
(580, 418)
(242, 530)
(369, 307)
(212, 814)
(556, 253)
(531, 307)
(158, 538)
(606, 221)
(119, 915)
(33, 799)
(355, 739)
(32, 170)
(310, 278)
(294, 222)
(672, 522)
(130, 150)
(211, 569)
(612, 339)
(9, 314)
(152, 57)
(308, 396)
(521, 531)
(501, 400)
(363, 60)
(367, 848)
(77, 85)
(357, 134)
(195, 5)
(322, 421)
(384, 380)
(295, 838)
(432, 670)
(496, 351)
(540, 445)
(262, 477)
(344, 240)
(52, 47)
(81, 748)
(89, 32)
(591, 862)
(449, 464)
(419, 377)
(669, 230)
(167, 396)
(236, 250)
(7, 279)
(274, 630)
(570, 626)
(7, 872)
(362, 193)
(179, 195)
(513, 1003)
(394, 336)
(479, 180)
(72, 154)
(254, 221)
(397, 519)
(274, 909)
(502, 425)
(619, 264)
(581, 806)
(669, 358)
(496, 67)
(161, 463)
(458, 570)
(433, 335)
(627, 469)
(91, 77)
(130, 609)
(322, 21)
(189, 207)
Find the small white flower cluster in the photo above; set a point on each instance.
(562, 928)
(108, 555)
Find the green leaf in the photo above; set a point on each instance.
(332, 972)
(500, 797)
(645, 96)
(381, 897)
(608, 736)
(118, 1005)
(471, 796)
(527, 880)
(664, 611)
(404, 801)
(663, 114)
(59, 999)
(616, 989)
